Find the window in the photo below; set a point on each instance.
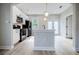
(53, 25)
(34, 24)
(50, 25)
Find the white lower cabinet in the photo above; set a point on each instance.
(16, 35)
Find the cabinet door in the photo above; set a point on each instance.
(16, 36)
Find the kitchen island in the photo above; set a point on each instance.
(43, 39)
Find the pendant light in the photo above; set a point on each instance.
(45, 18)
(46, 13)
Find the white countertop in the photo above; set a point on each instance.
(43, 30)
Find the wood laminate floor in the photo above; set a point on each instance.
(62, 47)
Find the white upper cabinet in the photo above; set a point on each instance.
(18, 12)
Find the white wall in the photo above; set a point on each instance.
(40, 20)
(76, 26)
(5, 26)
(74, 11)
(63, 16)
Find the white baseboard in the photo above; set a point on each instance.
(44, 48)
(6, 47)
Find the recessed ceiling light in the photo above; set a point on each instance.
(60, 6)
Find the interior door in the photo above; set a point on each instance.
(69, 27)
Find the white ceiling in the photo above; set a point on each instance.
(40, 8)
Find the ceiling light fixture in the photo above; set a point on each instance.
(60, 6)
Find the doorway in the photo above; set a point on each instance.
(69, 27)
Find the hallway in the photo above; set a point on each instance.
(62, 47)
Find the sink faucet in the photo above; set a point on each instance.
(43, 26)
